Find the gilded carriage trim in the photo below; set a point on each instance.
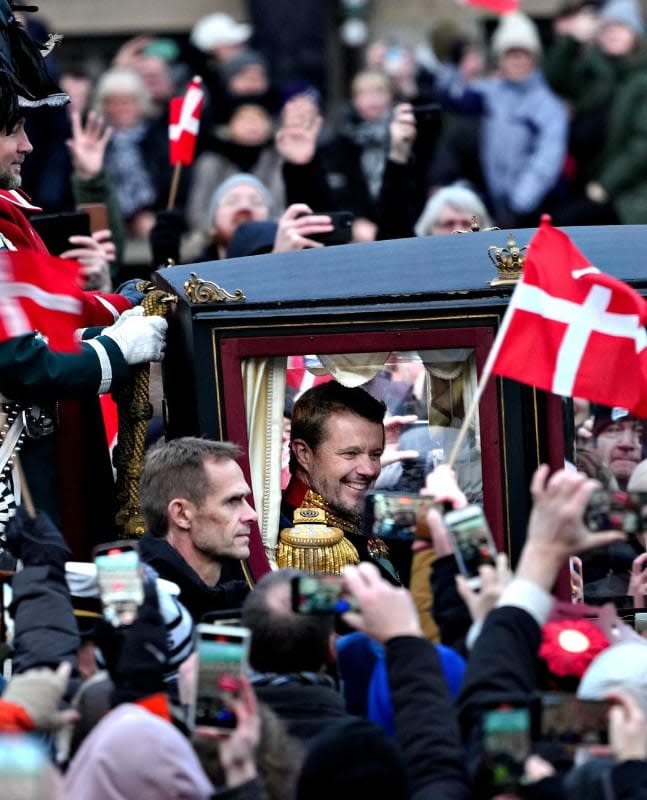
(199, 290)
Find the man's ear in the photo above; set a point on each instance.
(303, 454)
(180, 513)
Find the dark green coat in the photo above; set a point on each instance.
(587, 78)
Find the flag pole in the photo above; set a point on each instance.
(485, 375)
(174, 184)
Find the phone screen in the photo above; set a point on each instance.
(473, 543)
(617, 511)
(222, 659)
(573, 723)
(120, 582)
(506, 742)
(394, 515)
(23, 768)
(320, 594)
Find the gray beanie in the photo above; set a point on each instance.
(516, 31)
(626, 12)
(236, 180)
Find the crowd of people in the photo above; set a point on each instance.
(359, 697)
(522, 124)
(419, 681)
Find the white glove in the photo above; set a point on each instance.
(140, 339)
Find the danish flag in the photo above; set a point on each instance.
(184, 123)
(572, 330)
(39, 293)
(498, 6)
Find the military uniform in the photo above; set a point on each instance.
(62, 448)
(297, 495)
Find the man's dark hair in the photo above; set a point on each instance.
(281, 640)
(176, 469)
(314, 407)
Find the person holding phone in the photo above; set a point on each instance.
(503, 663)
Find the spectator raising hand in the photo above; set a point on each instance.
(555, 528)
(402, 132)
(296, 138)
(88, 144)
(296, 224)
(237, 749)
(385, 611)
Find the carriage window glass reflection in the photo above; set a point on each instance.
(610, 445)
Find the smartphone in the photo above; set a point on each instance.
(423, 113)
(393, 515)
(320, 594)
(573, 723)
(507, 745)
(617, 511)
(473, 542)
(55, 229)
(222, 658)
(121, 584)
(342, 231)
(98, 214)
(24, 766)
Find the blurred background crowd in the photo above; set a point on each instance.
(413, 126)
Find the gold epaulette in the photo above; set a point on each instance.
(313, 546)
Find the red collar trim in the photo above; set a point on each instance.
(294, 492)
(18, 198)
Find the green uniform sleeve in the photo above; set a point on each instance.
(30, 371)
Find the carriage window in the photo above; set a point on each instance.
(425, 392)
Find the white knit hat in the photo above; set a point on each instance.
(217, 30)
(516, 31)
(625, 12)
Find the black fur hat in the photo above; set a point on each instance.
(24, 79)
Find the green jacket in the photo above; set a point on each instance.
(586, 78)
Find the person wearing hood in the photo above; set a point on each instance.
(599, 65)
(134, 753)
(524, 125)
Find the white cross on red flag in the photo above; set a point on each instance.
(40, 293)
(572, 330)
(184, 123)
(498, 6)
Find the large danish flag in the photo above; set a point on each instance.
(184, 123)
(40, 293)
(572, 330)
